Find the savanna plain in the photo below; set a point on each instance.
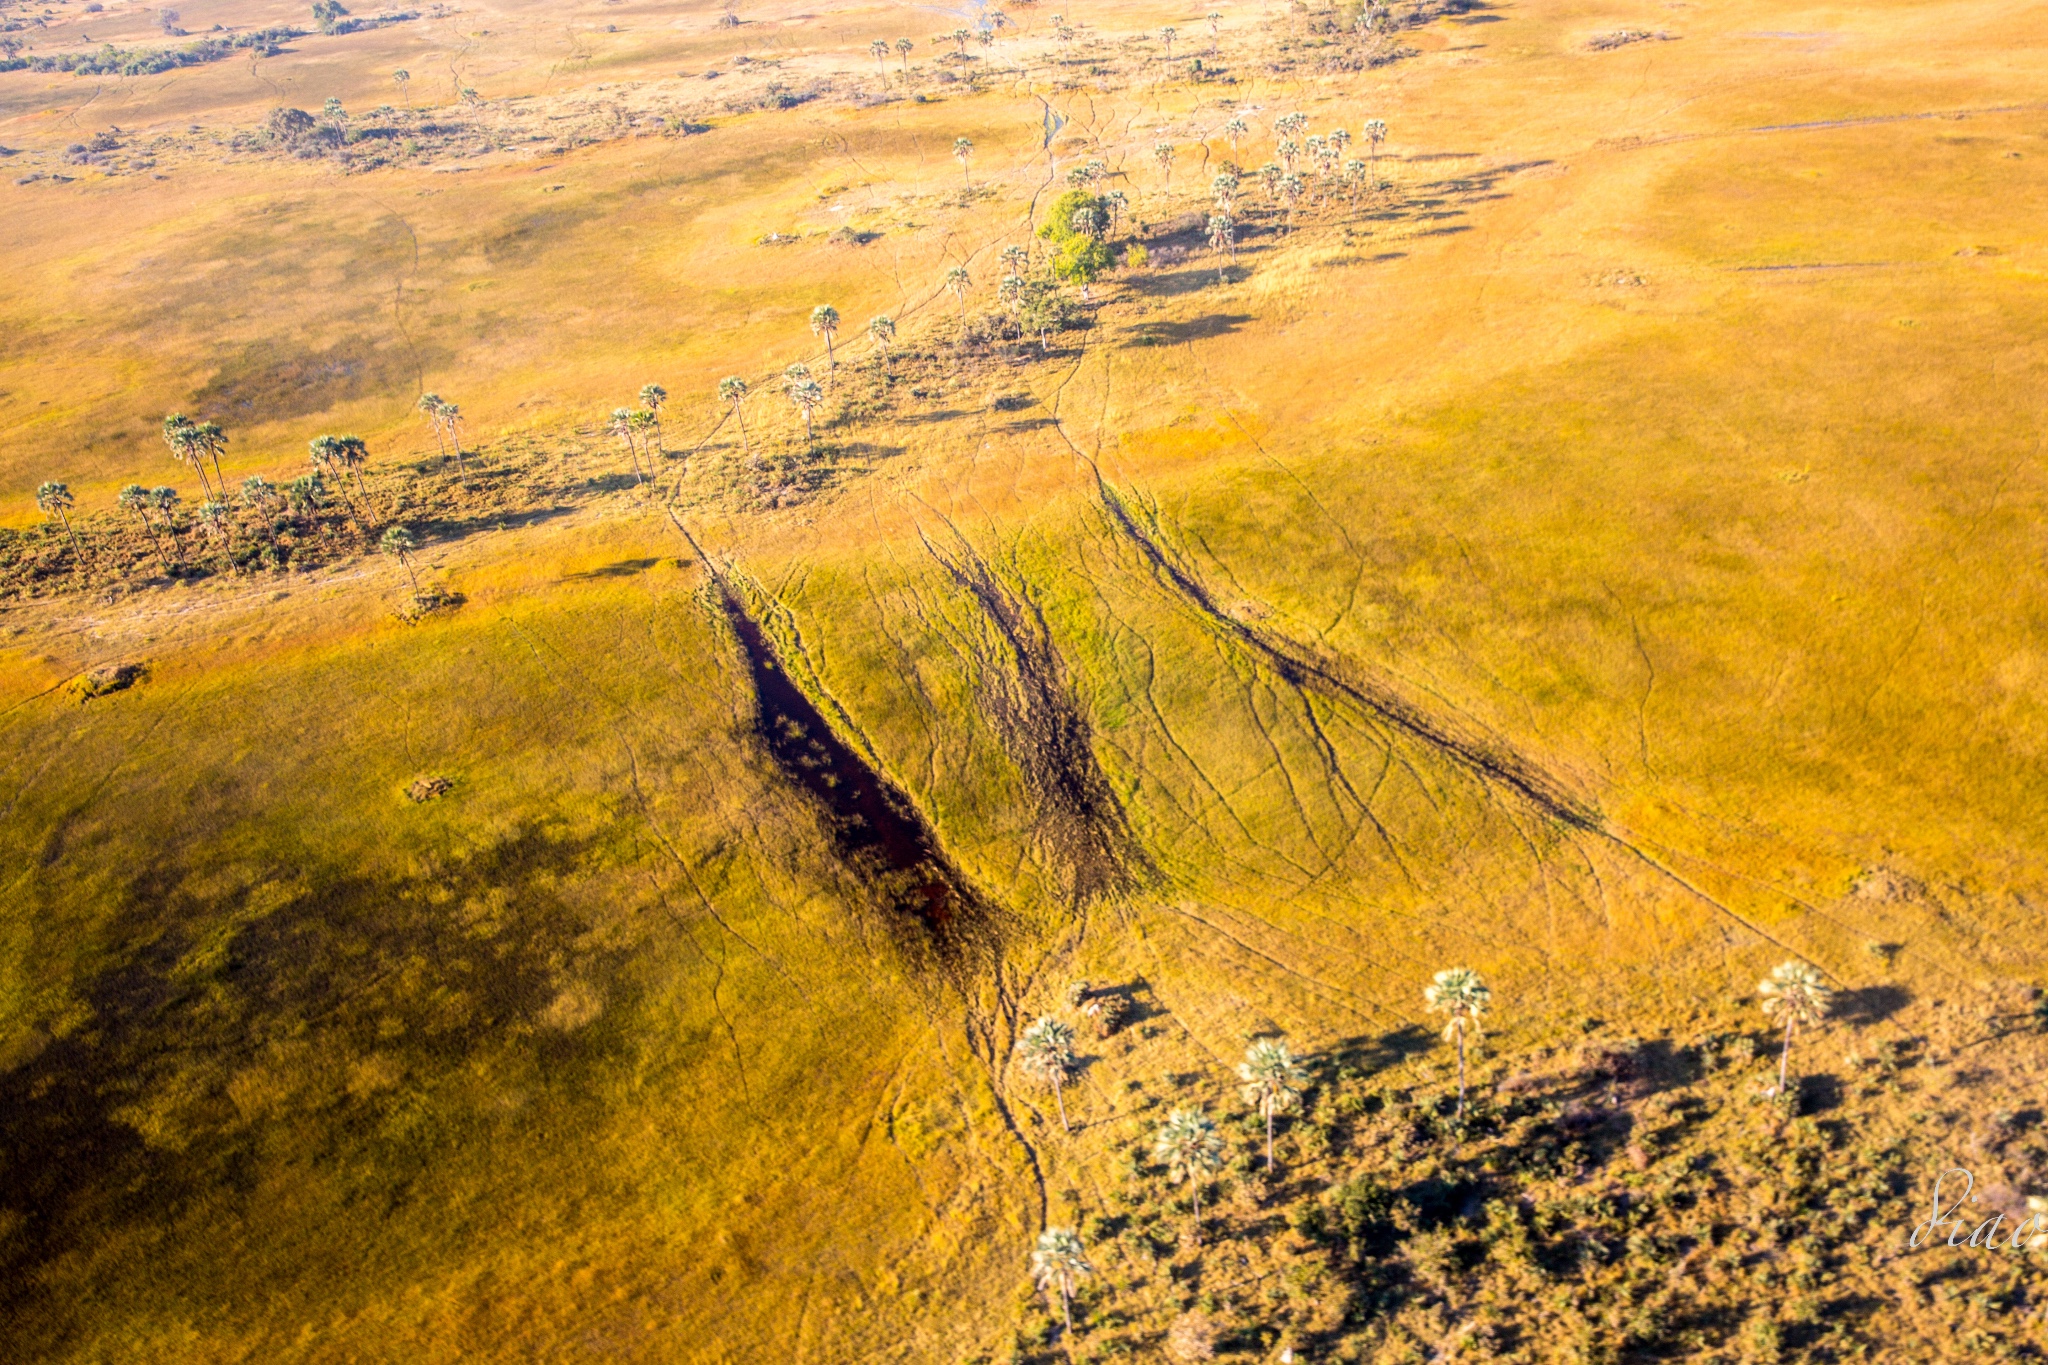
(1075, 682)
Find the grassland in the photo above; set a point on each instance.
(1608, 556)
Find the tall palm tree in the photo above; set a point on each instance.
(958, 280)
(346, 456)
(1288, 125)
(1188, 1144)
(135, 498)
(400, 543)
(1272, 1084)
(1059, 1261)
(54, 497)
(1046, 1052)
(1291, 190)
(1234, 132)
(165, 501)
(825, 323)
(213, 515)
(1167, 35)
(904, 47)
(212, 441)
(1796, 993)
(181, 434)
(1163, 153)
(1375, 131)
(403, 79)
(652, 396)
(258, 495)
(622, 427)
(451, 418)
(430, 405)
(963, 149)
(883, 330)
(1215, 21)
(1459, 995)
(879, 50)
(1015, 258)
(732, 390)
(1222, 240)
(806, 394)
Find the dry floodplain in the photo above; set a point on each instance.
(736, 682)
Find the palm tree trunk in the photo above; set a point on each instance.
(1059, 1093)
(1269, 1137)
(1067, 1305)
(1461, 1075)
(1197, 1182)
(406, 560)
(76, 547)
(1785, 1055)
(740, 413)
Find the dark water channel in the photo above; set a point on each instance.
(874, 825)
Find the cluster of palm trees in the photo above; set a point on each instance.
(446, 420)
(640, 428)
(1272, 1081)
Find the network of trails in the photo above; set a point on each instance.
(1609, 557)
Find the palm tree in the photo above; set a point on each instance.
(1287, 125)
(1059, 1261)
(806, 393)
(1167, 35)
(165, 501)
(644, 421)
(135, 498)
(1796, 993)
(1234, 132)
(1291, 190)
(1459, 994)
(879, 50)
(1162, 152)
(181, 434)
(399, 543)
(733, 390)
(1272, 1084)
(1015, 258)
(305, 494)
(347, 455)
(959, 36)
(1224, 190)
(211, 441)
(1046, 1052)
(962, 150)
(904, 47)
(258, 493)
(1222, 240)
(1375, 131)
(825, 323)
(652, 396)
(622, 427)
(430, 405)
(451, 418)
(213, 515)
(1215, 20)
(1188, 1144)
(56, 498)
(959, 282)
(402, 79)
(883, 330)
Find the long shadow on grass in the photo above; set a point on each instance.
(302, 1022)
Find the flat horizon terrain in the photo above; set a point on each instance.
(578, 885)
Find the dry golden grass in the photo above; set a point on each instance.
(1672, 424)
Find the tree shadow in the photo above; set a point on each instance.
(1369, 1054)
(625, 568)
(1871, 1004)
(456, 528)
(1195, 329)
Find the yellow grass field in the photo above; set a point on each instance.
(1598, 541)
